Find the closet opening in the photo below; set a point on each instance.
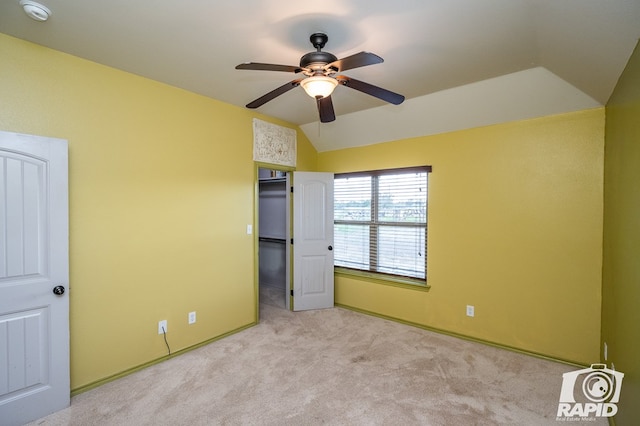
(273, 237)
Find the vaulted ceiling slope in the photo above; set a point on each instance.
(459, 63)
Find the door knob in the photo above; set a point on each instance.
(330, 248)
(58, 290)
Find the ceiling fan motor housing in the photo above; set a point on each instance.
(317, 60)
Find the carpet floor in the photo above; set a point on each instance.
(329, 367)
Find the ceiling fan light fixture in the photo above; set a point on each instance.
(319, 86)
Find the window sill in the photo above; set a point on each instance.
(383, 279)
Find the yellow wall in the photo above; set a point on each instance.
(514, 228)
(161, 185)
(621, 268)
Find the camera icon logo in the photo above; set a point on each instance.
(600, 388)
(597, 386)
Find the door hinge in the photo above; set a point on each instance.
(292, 189)
(291, 293)
(292, 241)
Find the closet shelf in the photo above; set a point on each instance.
(272, 240)
(272, 180)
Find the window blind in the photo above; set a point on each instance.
(381, 221)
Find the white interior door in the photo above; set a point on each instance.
(34, 322)
(312, 240)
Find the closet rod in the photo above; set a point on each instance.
(272, 240)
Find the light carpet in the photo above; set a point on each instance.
(330, 367)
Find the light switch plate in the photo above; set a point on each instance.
(470, 311)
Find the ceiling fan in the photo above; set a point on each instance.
(320, 71)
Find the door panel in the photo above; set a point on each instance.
(24, 335)
(313, 270)
(22, 216)
(313, 240)
(34, 322)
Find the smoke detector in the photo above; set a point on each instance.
(35, 10)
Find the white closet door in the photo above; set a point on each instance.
(312, 241)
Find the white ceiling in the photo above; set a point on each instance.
(459, 63)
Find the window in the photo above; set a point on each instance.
(381, 221)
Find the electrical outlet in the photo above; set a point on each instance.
(192, 317)
(605, 351)
(162, 327)
(470, 311)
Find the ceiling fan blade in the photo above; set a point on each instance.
(274, 93)
(355, 61)
(325, 109)
(370, 89)
(257, 66)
